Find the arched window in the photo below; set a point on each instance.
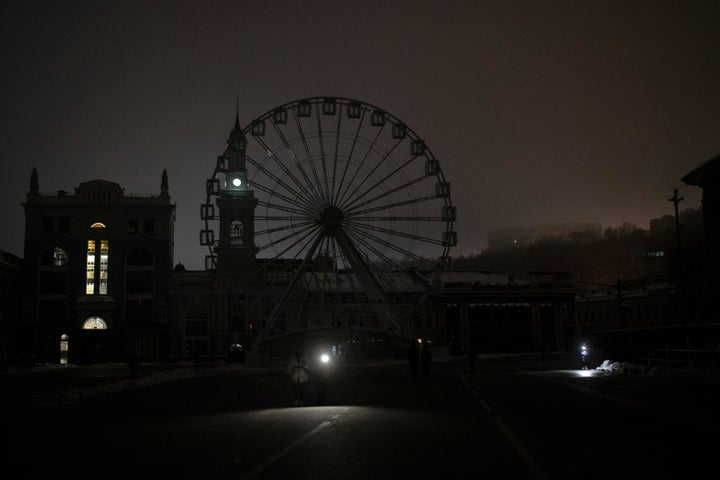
(53, 272)
(54, 257)
(237, 231)
(98, 225)
(94, 323)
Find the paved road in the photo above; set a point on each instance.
(507, 419)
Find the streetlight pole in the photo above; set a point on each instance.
(676, 200)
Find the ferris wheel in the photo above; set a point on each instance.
(344, 191)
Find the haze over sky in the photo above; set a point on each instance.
(539, 111)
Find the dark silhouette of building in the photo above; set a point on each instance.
(707, 177)
(494, 313)
(96, 272)
(10, 292)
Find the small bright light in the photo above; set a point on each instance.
(236, 182)
(325, 358)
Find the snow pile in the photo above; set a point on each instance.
(624, 368)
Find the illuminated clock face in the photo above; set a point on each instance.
(236, 182)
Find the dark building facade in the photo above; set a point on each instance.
(96, 273)
(489, 313)
(10, 292)
(707, 177)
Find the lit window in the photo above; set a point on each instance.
(92, 263)
(94, 323)
(103, 266)
(90, 268)
(97, 225)
(59, 257)
(236, 232)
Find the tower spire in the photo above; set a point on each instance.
(164, 184)
(237, 137)
(34, 184)
(237, 112)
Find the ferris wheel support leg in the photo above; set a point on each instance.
(381, 302)
(286, 293)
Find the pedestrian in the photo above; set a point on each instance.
(298, 372)
(426, 357)
(584, 355)
(413, 358)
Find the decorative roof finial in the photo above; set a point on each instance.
(237, 112)
(164, 184)
(34, 184)
(237, 137)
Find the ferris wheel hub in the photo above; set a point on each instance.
(332, 218)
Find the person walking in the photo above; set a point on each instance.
(298, 372)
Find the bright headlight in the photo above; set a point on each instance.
(324, 358)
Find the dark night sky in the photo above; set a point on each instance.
(540, 111)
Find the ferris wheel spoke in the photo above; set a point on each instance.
(283, 208)
(397, 233)
(295, 234)
(280, 304)
(284, 227)
(360, 165)
(307, 238)
(322, 151)
(374, 249)
(382, 304)
(394, 247)
(298, 165)
(335, 155)
(293, 282)
(394, 219)
(274, 193)
(309, 156)
(385, 194)
(388, 206)
(349, 200)
(285, 170)
(279, 218)
(336, 197)
(387, 177)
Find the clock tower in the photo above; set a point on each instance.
(236, 205)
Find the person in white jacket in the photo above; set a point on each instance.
(298, 372)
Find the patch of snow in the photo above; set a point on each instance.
(624, 368)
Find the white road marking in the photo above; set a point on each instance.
(532, 464)
(277, 456)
